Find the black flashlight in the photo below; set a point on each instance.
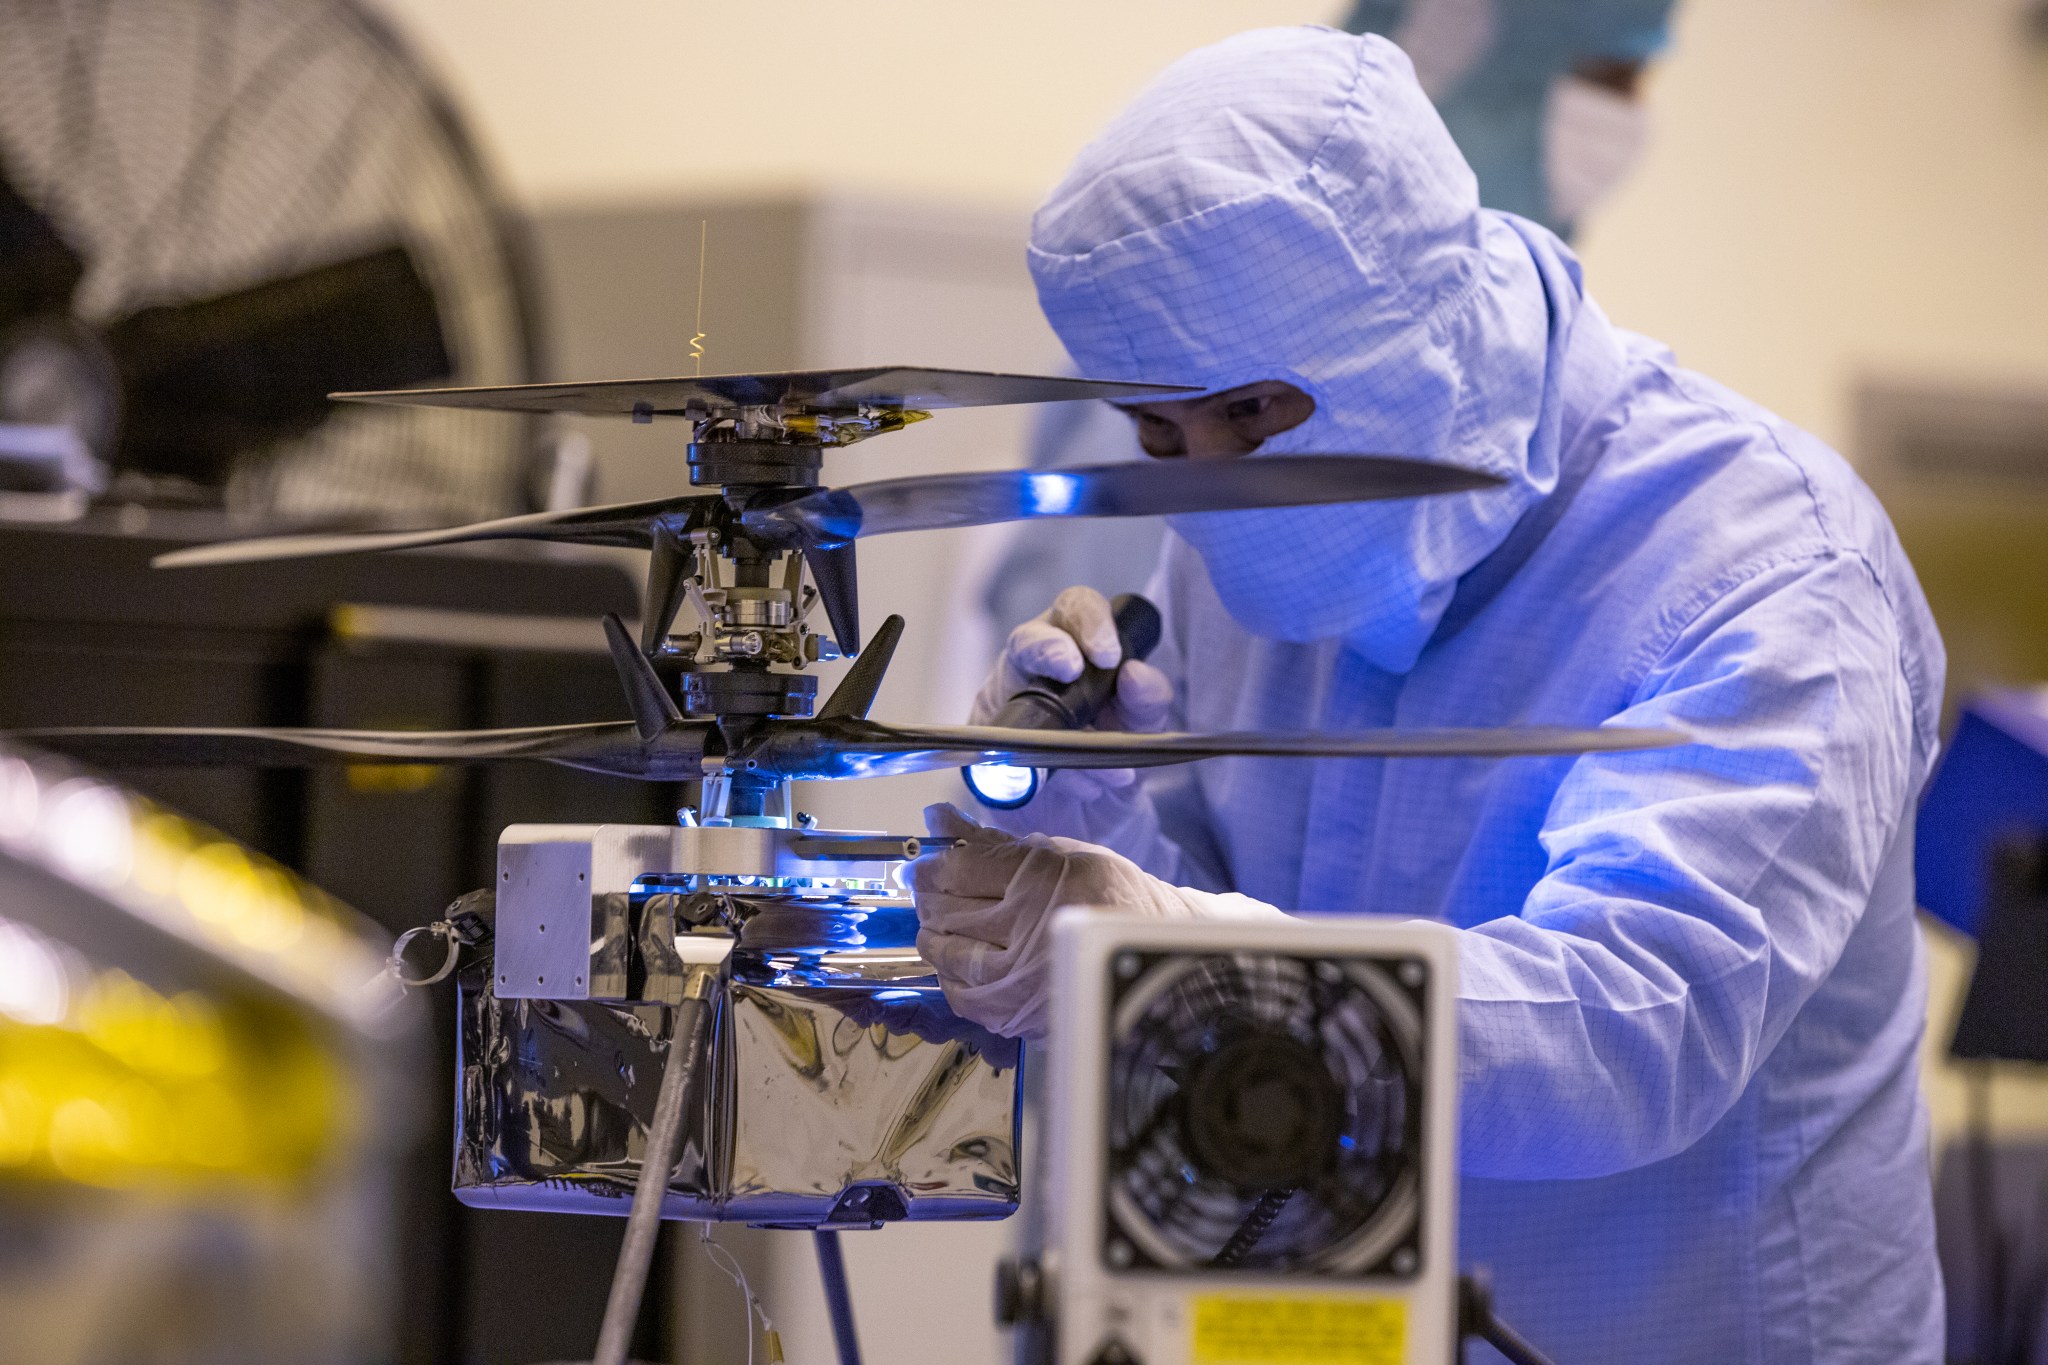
(1043, 704)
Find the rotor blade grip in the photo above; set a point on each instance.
(654, 710)
(1049, 705)
(838, 590)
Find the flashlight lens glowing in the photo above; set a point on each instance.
(1000, 786)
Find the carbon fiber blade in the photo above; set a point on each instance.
(833, 516)
(627, 524)
(608, 746)
(884, 386)
(847, 748)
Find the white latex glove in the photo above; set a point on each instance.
(1077, 629)
(985, 910)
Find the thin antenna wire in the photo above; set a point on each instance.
(697, 341)
(725, 1261)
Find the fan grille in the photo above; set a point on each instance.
(189, 148)
(1264, 1111)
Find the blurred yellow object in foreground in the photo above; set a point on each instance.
(128, 1087)
(193, 1022)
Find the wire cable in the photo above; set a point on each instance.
(737, 1273)
(697, 341)
(657, 1167)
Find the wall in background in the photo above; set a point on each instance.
(673, 98)
(1836, 186)
(1840, 188)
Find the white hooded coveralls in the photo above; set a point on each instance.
(1692, 983)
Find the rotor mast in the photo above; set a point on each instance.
(746, 660)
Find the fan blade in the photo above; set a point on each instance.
(654, 710)
(884, 386)
(608, 746)
(207, 380)
(856, 691)
(38, 268)
(627, 523)
(828, 748)
(832, 569)
(835, 516)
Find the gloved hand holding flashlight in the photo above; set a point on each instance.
(1078, 631)
(985, 908)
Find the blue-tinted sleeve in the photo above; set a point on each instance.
(1693, 898)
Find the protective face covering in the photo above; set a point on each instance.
(1329, 239)
(1592, 139)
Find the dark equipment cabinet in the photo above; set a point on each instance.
(91, 635)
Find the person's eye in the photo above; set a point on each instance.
(1160, 438)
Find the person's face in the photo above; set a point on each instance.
(1222, 426)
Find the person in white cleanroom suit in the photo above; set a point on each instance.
(1543, 101)
(1692, 987)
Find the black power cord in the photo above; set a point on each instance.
(1476, 1318)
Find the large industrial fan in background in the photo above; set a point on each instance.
(215, 212)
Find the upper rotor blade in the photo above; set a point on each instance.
(625, 523)
(607, 746)
(840, 749)
(883, 386)
(1152, 488)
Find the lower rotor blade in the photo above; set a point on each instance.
(607, 747)
(626, 524)
(845, 748)
(834, 516)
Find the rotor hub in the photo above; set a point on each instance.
(748, 692)
(788, 464)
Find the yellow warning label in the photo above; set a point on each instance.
(1237, 1329)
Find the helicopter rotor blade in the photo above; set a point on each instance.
(830, 747)
(840, 748)
(607, 746)
(627, 524)
(837, 516)
(897, 387)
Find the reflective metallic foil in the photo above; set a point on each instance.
(841, 1090)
